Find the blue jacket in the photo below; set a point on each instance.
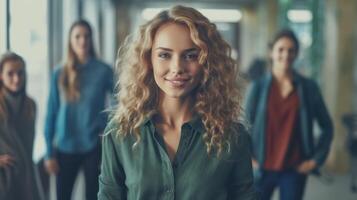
(73, 127)
(311, 108)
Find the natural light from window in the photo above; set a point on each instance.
(28, 32)
(2, 26)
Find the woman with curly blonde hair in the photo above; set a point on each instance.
(175, 132)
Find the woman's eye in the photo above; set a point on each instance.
(164, 55)
(191, 56)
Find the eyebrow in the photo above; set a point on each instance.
(168, 49)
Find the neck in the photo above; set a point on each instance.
(14, 100)
(13, 94)
(174, 111)
(82, 58)
(282, 75)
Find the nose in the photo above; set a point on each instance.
(285, 54)
(82, 40)
(17, 78)
(290, 54)
(177, 65)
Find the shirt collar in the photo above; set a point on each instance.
(296, 77)
(195, 123)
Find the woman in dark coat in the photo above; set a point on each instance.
(17, 129)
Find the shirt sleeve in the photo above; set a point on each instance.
(250, 102)
(53, 105)
(325, 123)
(109, 98)
(111, 86)
(242, 186)
(112, 177)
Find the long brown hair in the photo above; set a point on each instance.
(69, 81)
(28, 108)
(218, 98)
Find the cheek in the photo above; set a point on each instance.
(197, 71)
(74, 43)
(275, 56)
(158, 68)
(6, 81)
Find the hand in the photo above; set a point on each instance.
(6, 160)
(255, 164)
(306, 166)
(51, 166)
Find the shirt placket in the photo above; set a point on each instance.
(168, 185)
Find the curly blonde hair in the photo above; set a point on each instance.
(218, 99)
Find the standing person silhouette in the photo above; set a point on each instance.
(75, 117)
(17, 132)
(282, 107)
(175, 134)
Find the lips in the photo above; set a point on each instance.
(177, 82)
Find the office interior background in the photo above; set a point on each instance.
(38, 30)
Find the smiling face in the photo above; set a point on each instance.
(174, 59)
(12, 76)
(283, 54)
(80, 41)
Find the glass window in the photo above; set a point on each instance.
(28, 31)
(2, 26)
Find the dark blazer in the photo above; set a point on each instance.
(311, 108)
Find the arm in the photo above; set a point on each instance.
(325, 123)
(112, 176)
(250, 102)
(250, 107)
(242, 187)
(29, 138)
(52, 111)
(109, 99)
(110, 86)
(32, 141)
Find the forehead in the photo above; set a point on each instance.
(13, 65)
(79, 29)
(285, 41)
(174, 36)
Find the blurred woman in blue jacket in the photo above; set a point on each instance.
(75, 117)
(282, 108)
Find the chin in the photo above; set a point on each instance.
(175, 94)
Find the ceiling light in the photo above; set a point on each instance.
(214, 15)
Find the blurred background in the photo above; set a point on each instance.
(37, 30)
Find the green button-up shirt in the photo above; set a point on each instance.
(146, 172)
